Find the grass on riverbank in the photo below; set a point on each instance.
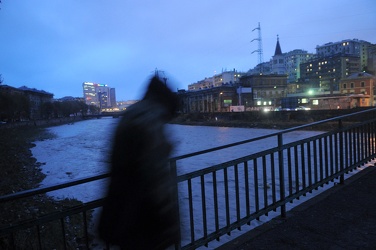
(20, 171)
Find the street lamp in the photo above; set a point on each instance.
(220, 101)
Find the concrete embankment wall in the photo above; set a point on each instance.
(280, 119)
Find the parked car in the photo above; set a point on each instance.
(302, 108)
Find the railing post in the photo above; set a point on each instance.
(341, 152)
(175, 197)
(281, 174)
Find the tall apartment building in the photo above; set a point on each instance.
(333, 62)
(99, 95)
(293, 59)
(352, 47)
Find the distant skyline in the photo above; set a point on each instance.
(57, 45)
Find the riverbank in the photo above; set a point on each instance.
(20, 171)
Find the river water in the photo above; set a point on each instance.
(81, 149)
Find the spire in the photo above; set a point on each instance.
(278, 50)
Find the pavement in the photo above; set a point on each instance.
(343, 217)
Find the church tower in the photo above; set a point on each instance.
(278, 60)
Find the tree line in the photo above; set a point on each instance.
(17, 107)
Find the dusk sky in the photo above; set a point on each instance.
(56, 45)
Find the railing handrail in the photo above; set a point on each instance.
(52, 187)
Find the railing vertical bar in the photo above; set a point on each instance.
(289, 167)
(237, 195)
(341, 149)
(321, 159)
(309, 160)
(246, 183)
(265, 182)
(191, 215)
(359, 144)
(326, 157)
(336, 153)
(215, 200)
(296, 165)
(227, 200)
(274, 196)
(302, 161)
(348, 148)
(364, 143)
(315, 160)
(368, 139)
(203, 206)
(175, 198)
(374, 136)
(351, 146)
(281, 174)
(63, 231)
(255, 183)
(331, 153)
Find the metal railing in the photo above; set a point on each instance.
(217, 199)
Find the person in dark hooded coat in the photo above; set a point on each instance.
(140, 209)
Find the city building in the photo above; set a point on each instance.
(361, 84)
(324, 73)
(215, 99)
(266, 90)
(99, 95)
(293, 59)
(35, 98)
(224, 78)
(352, 47)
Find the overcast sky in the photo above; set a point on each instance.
(56, 45)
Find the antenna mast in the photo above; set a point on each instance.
(259, 50)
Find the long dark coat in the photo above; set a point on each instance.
(140, 210)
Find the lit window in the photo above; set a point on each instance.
(315, 102)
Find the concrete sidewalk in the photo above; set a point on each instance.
(343, 217)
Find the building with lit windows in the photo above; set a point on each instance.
(363, 84)
(99, 95)
(293, 59)
(353, 47)
(324, 74)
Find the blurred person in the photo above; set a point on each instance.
(140, 209)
